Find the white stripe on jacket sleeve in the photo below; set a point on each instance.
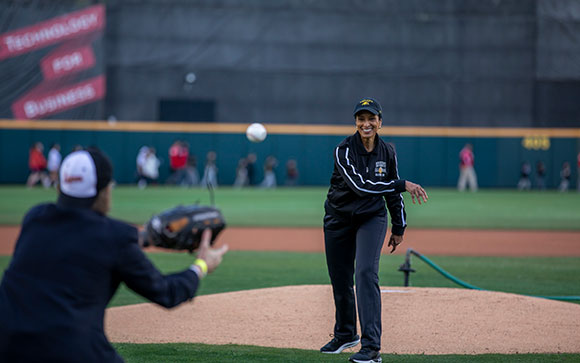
(353, 176)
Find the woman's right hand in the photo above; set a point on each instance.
(416, 191)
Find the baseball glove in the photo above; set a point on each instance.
(180, 228)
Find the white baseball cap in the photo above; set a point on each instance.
(83, 174)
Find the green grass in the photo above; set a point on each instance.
(243, 270)
(175, 353)
(303, 207)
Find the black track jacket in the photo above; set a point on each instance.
(361, 180)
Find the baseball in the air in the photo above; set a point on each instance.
(256, 132)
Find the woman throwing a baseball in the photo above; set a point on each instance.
(355, 224)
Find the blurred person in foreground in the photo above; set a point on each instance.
(68, 263)
(466, 169)
(365, 176)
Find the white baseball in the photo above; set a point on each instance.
(256, 132)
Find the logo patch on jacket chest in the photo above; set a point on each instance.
(380, 168)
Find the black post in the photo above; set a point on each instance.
(406, 267)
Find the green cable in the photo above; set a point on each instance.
(472, 287)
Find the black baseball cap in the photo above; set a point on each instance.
(368, 104)
(83, 174)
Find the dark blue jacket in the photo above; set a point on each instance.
(362, 181)
(66, 267)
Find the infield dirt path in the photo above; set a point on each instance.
(457, 242)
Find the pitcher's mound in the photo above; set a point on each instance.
(415, 321)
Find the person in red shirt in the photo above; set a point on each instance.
(466, 170)
(178, 156)
(37, 166)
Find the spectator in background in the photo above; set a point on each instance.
(191, 173)
(141, 157)
(150, 169)
(54, 159)
(210, 171)
(241, 174)
(541, 175)
(292, 173)
(565, 174)
(37, 166)
(466, 169)
(77, 147)
(525, 172)
(269, 175)
(178, 155)
(251, 166)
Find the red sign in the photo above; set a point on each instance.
(68, 26)
(40, 103)
(63, 62)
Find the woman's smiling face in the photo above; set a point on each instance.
(367, 124)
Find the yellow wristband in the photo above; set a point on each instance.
(202, 265)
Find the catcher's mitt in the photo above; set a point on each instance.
(180, 228)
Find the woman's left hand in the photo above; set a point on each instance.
(394, 241)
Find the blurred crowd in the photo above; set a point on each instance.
(183, 168)
(44, 170)
(539, 181)
(184, 171)
(468, 176)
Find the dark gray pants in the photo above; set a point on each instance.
(348, 240)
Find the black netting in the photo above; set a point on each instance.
(446, 62)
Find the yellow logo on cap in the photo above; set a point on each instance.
(366, 102)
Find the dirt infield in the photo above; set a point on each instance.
(427, 241)
(423, 320)
(415, 321)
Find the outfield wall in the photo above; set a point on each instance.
(428, 155)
